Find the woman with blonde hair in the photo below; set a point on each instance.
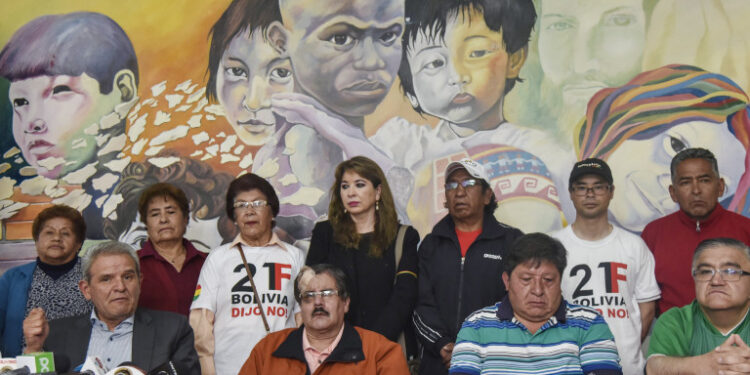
(363, 237)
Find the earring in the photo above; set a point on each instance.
(345, 211)
(376, 205)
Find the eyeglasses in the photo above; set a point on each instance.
(583, 190)
(726, 274)
(254, 205)
(309, 296)
(465, 183)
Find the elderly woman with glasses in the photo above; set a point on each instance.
(50, 283)
(246, 287)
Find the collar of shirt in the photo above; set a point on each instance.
(505, 312)
(314, 357)
(274, 241)
(191, 251)
(714, 216)
(124, 327)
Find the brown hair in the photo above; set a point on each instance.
(386, 219)
(165, 190)
(65, 212)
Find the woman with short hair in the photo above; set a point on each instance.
(170, 264)
(50, 283)
(246, 287)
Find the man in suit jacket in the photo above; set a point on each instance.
(115, 331)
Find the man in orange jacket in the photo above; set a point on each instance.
(324, 344)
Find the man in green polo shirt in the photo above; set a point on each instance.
(710, 335)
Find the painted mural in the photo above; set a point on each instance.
(98, 101)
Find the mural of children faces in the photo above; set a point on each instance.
(245, 70)
(639, 127)
(73, 77)
(584, 46)
(251, 71)
(50, 117)
(462, 76)
(345, 54)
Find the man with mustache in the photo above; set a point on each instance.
(460, 263)
(533, 330)
(325, 344)
(709, 335)
(696, 188)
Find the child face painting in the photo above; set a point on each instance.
(50, 116)
(250, 72)
(345, 54)
(461, 79)
(640, 169)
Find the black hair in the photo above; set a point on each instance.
(249, 182)
(492, 206)
(240, 16)
(720, 242)
(516, 18)
(535, 247)
(69, 44)
(336, 273)
(693, 153)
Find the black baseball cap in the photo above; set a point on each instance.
(590, 166)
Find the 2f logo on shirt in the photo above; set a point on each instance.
(611, 277)
(276, 273)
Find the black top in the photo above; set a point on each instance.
(376, 303)
(451, 288)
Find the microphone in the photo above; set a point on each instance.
(23, 370)
(126, 368)
(93, 366)
(165, 369)
(37, 362)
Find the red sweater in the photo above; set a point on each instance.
(163, 288)
(673, 239)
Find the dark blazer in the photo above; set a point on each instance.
(158, 337)
(376, 303)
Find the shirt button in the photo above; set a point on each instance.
(110, 339)
(109, 359)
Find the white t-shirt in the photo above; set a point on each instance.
(224, 288)
(612, 275)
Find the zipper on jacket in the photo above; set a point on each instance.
(460, 295)
(697, 226)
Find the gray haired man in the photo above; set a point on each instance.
(116, 331)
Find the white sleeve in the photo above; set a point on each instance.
(208, 283)
(403, 142)
(646, 288)
(300, 262)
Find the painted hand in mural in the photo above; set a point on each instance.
(304, 110)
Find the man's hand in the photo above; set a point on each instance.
(35, 330)
(446, 353)
(733, 356)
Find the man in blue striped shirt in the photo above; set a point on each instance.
(533, 330)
